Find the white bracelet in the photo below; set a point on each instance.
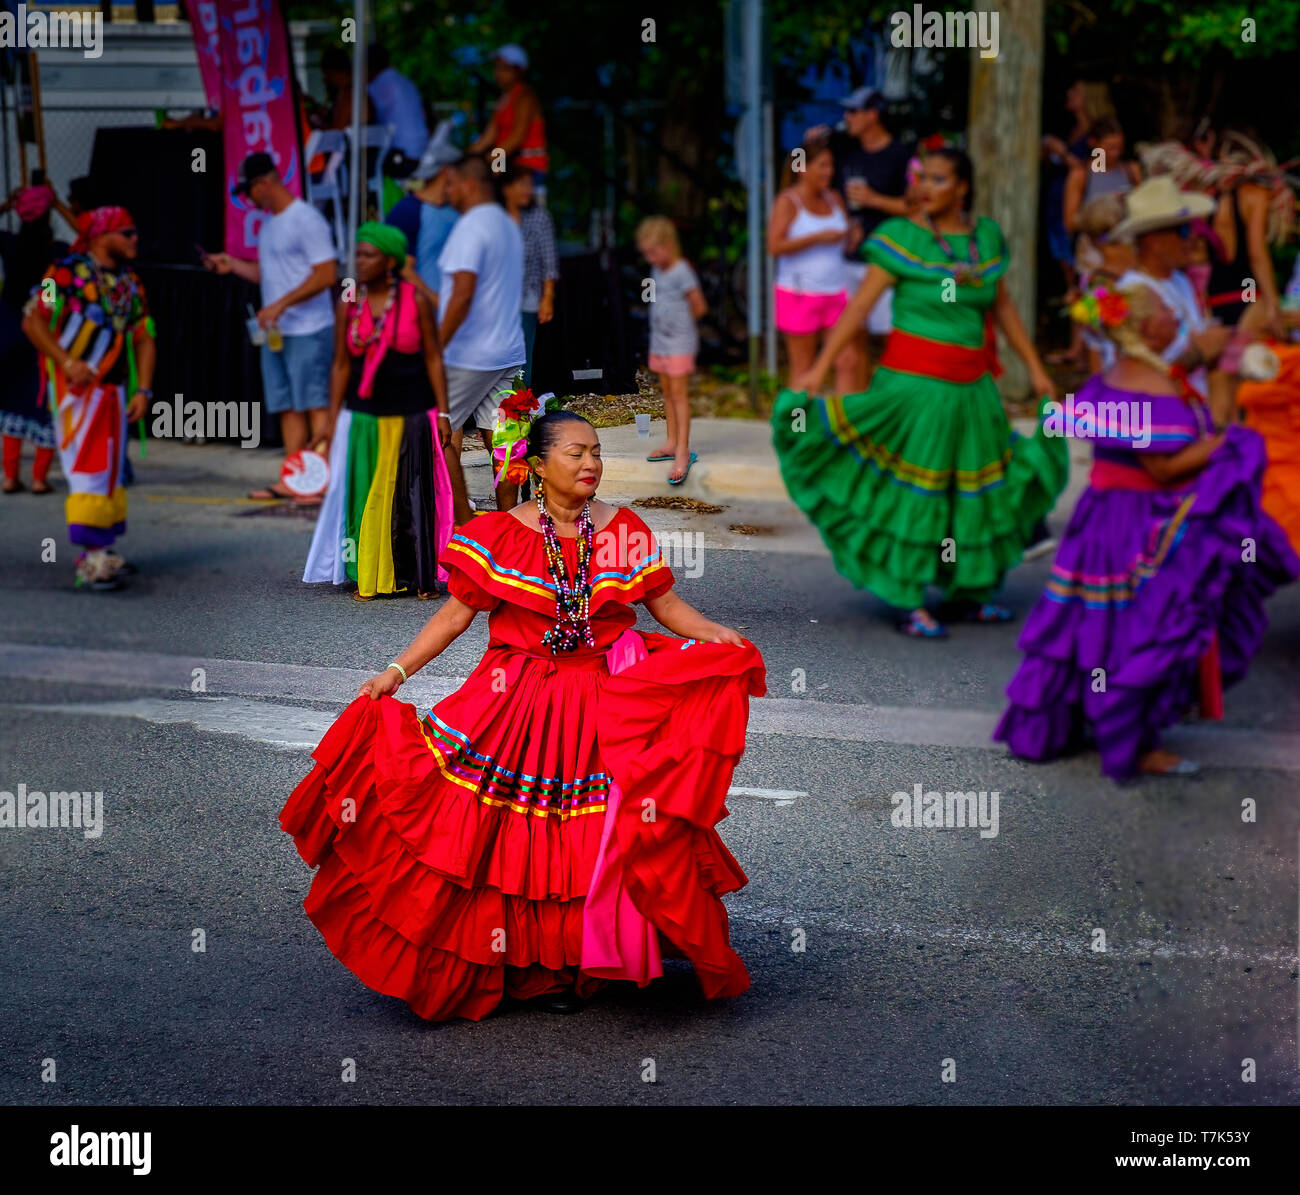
(400, 669)
(444, 415)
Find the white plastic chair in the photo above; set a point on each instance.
(378, 137)
(331, 189)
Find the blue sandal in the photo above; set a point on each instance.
(988, 612)
(684, 476)
(915, 627)
(662, 457)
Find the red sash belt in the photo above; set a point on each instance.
(939, 359)
(1111, 475)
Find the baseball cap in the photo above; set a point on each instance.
(252, 168)
(514, 54)
(439, 152)
(862, 99)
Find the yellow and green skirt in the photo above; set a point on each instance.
(387, 513)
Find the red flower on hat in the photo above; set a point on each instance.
(1112, 308)
(518, 405)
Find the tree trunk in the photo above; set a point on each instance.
(1005, 109)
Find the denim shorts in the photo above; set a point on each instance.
(297, 378)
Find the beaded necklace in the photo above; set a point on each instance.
(963, 273)
(117, 299)
(377, 325)
(572, 595)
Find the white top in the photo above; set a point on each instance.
(397, 102)
(485, 241)
(672, 326)
(818, 269)
(288, 246)
(1179, 295)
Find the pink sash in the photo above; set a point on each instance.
(617, 941)
(443, 517)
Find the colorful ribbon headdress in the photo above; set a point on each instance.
(515, 413)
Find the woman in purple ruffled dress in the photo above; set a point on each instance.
(1166, 562)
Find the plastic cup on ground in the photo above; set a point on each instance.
(643, 426)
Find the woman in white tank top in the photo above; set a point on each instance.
(806, 236)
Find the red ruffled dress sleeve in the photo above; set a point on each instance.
(467, 558)
(649, 575)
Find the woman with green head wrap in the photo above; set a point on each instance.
(390, 241)
(387, 514)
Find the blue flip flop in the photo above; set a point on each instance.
(668, 457)
(915, 628)
(684, 476)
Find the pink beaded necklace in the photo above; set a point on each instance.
(572, 595)
(376, 325)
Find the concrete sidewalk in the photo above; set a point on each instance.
(736, 466)
(737, 463)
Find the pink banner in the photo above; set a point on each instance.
(207, 44)
(257, 108)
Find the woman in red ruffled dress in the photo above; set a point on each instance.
(550, 825)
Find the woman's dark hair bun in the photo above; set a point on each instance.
(546, 428)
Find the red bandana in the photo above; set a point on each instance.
(96, 223)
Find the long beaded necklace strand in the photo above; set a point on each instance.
(116, 299)
(377, 325)
(572, 595)
(962, 273)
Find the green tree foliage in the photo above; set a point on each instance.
(1174, 31)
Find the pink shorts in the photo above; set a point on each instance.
(679, 365)
(800, 314)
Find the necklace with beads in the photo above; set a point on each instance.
(572, 594)
(116, 299)
(377, 325)
(963, 272)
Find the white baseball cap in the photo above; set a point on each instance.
(515, 55)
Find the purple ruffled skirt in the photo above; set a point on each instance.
(1142, 582)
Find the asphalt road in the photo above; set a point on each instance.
(918, 946)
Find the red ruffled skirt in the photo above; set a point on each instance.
(455, 851)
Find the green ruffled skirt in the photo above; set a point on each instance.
(918, 482)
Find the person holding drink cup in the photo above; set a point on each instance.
(296, 266)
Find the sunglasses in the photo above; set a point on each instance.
(128, 232)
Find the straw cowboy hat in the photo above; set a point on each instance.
(1158, 203)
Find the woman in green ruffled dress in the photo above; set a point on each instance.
(920, 481)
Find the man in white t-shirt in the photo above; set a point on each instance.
(482, 267)
(1159, 220)
(296, 266)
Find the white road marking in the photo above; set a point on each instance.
(298, 728)
(924, 726)
(283, 727)
(779, 796)
(1028, 942)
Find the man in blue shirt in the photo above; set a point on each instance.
(397, 102)
(425, 215)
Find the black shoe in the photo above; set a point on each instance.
(565, 1003)
(106, 585)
